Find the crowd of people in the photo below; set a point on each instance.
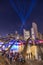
(13, 57)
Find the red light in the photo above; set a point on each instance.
(40, 41)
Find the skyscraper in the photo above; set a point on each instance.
(32, 33)
(34, 26)
(26, 34)
(16, 35)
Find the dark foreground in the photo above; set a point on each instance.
(5, 61)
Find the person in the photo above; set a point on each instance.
(7, 54)
(10, 58)
(3, 52)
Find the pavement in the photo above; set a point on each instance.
(34, 62)
(29, 62)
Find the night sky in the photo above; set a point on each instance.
(10, 19)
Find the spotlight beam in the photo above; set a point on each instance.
(20, 14)
(16, 10)
(32, 5)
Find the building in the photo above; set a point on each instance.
(32, 34)
(21, 37)
(17, 35)
(34, 26)
(40, 35)
(26, 34)
(32, 52)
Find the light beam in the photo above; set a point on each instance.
(20, 14)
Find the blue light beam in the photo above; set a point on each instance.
(32, 5)
(20, 14)
(16, 10)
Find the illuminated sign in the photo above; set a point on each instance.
(1, 43)
(11, 42)
(40, 41)
(18, 43)
(5, 46)
(14, 47)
